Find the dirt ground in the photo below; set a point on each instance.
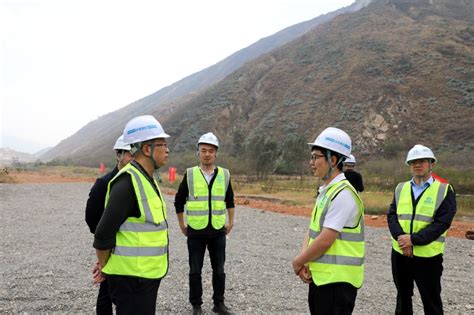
(458, 228)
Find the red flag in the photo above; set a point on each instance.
(102, 168)
(439, 178)
(172, 174)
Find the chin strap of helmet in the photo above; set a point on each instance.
(331, 169)
(138, 147)
(155, 166)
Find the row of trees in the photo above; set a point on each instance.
(262, 156)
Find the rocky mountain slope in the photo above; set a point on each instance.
(392, 74)
(104, 130)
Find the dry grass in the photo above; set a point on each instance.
(375, 202)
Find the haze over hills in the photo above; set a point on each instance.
(392, 74)
(104, 130)
(10, 157)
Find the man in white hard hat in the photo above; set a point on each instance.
(418, 218)
(131, 239)
(94, 210)
(206, 193)
(332, 257)
(351, 175)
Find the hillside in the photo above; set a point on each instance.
(393, 74)
(80, 148)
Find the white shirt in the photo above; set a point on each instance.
(343, 211)
(417, 190)
(208, 177)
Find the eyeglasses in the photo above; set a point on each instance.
(160, 145)
(419, 161)
(314, 157)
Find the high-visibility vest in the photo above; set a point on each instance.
(197, 203)
(413, 220)
(141, 244)
(344, 260)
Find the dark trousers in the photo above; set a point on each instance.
(197, 250)
(133, 295)
(104, 303)
(334, 298)
(426, 273)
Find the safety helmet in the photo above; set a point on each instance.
(419, 152)
(350, 160)
(120, 145)
(335, 140)
(209, 138)
(143, 128)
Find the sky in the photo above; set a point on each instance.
(64, 63)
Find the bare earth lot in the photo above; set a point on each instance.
(46, 255)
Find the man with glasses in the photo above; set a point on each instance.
(332, 257)
(206, 195)
(94, 210)
(418, 218)
(131, 239)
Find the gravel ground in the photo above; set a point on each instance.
(46, 257)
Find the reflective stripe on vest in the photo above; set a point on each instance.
(141, 248)
(344, 260)
(423, 215)
(198, 201)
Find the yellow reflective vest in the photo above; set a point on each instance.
(413, 220)
(344, 260)
(141, 247)
(198, 205)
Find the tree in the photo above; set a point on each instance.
(238, 143)
(262, 154)
(293, 157)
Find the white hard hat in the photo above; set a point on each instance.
(143, 128)
(120, 145)
(350, 160)
(420, 152)
(209, 138)
(334, 139)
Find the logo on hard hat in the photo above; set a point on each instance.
(141, 128)
(345, 145)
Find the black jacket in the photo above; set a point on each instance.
(355, 179)
(122, 205)
(96, 202)
(441, 221)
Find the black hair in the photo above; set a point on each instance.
(338, 156)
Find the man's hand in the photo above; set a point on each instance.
(305, 275)
(97, 275)
(408, 252)
(228, 228)
(404, 241)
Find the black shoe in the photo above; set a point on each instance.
(221, 309)
(197, 310)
